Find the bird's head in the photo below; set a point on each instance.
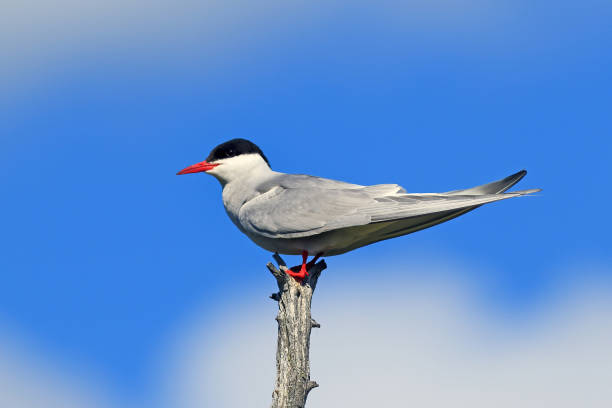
(231, 160)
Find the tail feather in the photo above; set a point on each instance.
(379, 231)
(408, 225)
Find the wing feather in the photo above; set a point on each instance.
(297, 209)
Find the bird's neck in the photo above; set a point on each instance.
(239, 191)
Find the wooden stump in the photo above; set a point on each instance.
(294, 324)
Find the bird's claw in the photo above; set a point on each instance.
(299, 276)
(303, 269)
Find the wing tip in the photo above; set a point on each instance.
(516, 177)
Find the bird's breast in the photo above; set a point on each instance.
(234, 197)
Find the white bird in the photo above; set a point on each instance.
(299, 214)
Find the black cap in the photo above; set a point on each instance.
(235, 147)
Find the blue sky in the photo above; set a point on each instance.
(106, 253)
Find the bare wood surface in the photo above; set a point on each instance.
(294, 325)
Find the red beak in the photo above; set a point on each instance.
(198, 167)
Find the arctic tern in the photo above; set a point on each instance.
(299, 214)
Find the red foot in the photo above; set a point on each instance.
(303, 269)
(299, 276)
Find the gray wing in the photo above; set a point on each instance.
(303, 181)
(295, 209)
(299, 212)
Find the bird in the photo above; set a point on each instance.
(295, 214)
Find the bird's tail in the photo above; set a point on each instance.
(391, 229)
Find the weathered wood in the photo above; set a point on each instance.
(294, 325)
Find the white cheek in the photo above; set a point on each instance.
(214, 171)
(220, 173)
(237, 167)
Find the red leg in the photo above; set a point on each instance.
(299, 276)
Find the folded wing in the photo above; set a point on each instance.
(292, 210)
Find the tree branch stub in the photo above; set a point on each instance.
(294, 325)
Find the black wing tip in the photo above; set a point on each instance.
(516, 177)
(511, 180)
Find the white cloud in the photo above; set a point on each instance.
(41, 37)
(43, 41)
(403, 342)
(421, 339)
(29, 380)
